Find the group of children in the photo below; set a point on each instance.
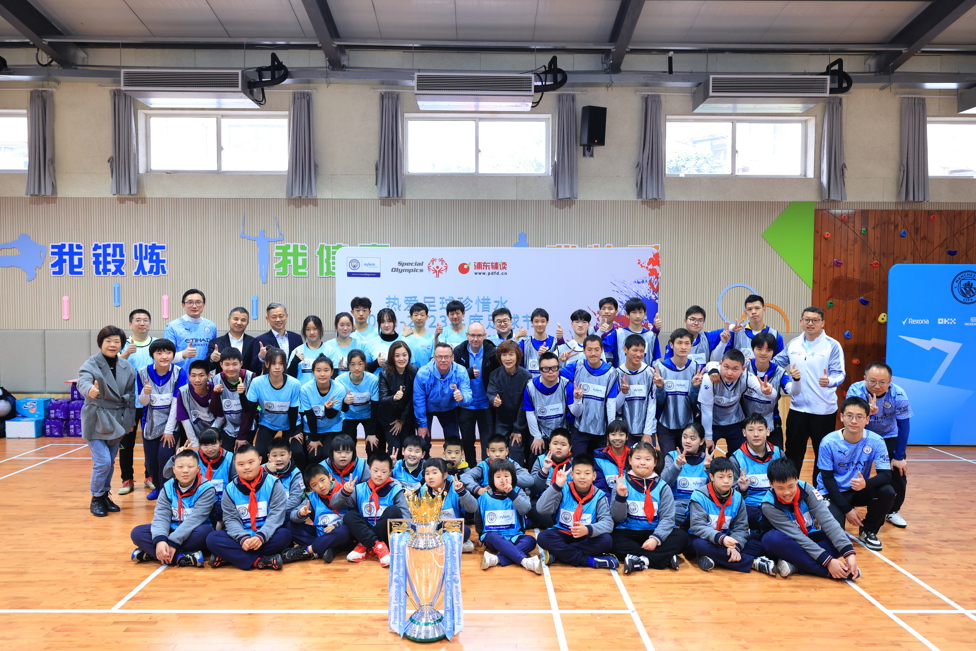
(627, 504)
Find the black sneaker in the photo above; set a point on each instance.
(329, 555)
(869, 540)
(216, 561)
(293, 554)
(110, 506)
(97, 507)
(269, 562)
(192, 559)
(706, 563)
(606, 562)
(633, 564)
(139, 556)
(674, 563)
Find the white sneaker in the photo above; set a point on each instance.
(532, 564)
(895, 520)
(467, 547)
(489, 560)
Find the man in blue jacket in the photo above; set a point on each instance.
(438, 390)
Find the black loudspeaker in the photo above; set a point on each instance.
(593, 126)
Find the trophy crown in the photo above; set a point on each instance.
(425, 509)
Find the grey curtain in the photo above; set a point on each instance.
(389, 163)
(300, 181)
(40, 144)
(832, 162)
(913, 179)
(651, 161)
(564, 168)
(123, 164)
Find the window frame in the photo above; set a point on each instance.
(14, 113)
(949, 120)
(806, 149)
(545, 118)
(145, 144)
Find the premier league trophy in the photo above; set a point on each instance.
(424, 571)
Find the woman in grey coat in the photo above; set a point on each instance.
(108, 383)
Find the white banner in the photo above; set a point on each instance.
(559, 280)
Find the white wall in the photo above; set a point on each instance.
(346, 119)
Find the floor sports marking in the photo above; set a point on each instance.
(951, 454)
(633, 611)
(284, 611)
(135, 591)
(41, 463)
(28, 452)
(918, 636)
(959, 609)
(556, 618)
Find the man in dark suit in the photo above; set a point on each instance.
(278, 336)
(237, 322)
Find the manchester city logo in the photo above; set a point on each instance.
(887, 405)
(683, 482)
(353, 264)
(490, 518)
(542, 411)
(867, 449)
(585, 387)
(669, 385)
(964, 287)
(633, 508)
(565, 517)
(369, 509)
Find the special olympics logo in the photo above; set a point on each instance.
(464, 267)
(437, 266)
(354, 264)
(964, 287)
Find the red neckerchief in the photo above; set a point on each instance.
(578, 513)
(748, 453)
(620, 461)
(211, 464)
(648, 499)
(252, 502)
(374, 492)
(800, 520)
(720, 505)
(557, 466)
(336, 487)
(180, 495)
(346, 471)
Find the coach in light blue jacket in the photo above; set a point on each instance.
(440, 387)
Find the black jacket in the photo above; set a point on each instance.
(268, 339)
(402, 409)
(488, 363)
(247, 351)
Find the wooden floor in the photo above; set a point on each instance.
(66, 582)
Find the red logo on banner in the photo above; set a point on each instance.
(464, 267)
(437, 266)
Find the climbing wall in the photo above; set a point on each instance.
(853, 250)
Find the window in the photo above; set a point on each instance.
(215, 142)
(758, 147)
(13, 141)
(465, 144)
(952, 147)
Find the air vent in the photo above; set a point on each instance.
(760, 93)
(174, 88)
(473, 92)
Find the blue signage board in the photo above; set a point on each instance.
(932, 348)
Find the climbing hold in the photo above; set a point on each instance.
(864, 231)
(875, 264)
(883, 317)
(932, 217)
(847, 334)
(837, 262)
(843, 218)
(863, 301)
(830, 304)
(952, 251)
(903, 233)
(856, 362)
(826, 236)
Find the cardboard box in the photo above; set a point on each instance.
(33, 407)
(25, 428)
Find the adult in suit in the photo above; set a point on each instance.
(108, 383)
(237, 322)
(277, 337)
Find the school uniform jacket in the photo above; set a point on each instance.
(783, 519)
(476, 476)
(551, 500)
(701, 524)
(234, 521)
(161, 527)
(619, 507)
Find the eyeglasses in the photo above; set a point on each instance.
(695, 321)
(443, 358)
(854, 417)
(503, 321)
(192, 302)
(140, 321)
(877, 383)
(812, 321)
(548, 369)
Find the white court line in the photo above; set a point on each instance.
(959, 609)
(918, 636)
(633, 611)
(25, 453)
(40, 463)
(556, 618)
(159, 570)
(286, 611)
(932, 612)
(950, 454)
